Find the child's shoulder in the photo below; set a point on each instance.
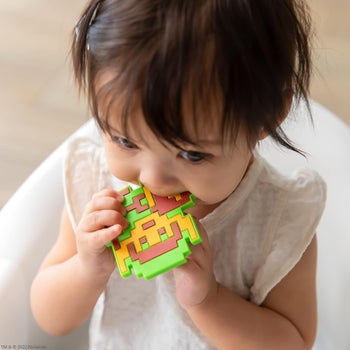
(301, 180)
(291, 208)
(298, 197)
(264, 186)
(295, 201)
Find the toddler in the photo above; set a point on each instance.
(182, 92)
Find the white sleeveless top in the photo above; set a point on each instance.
(257, 236)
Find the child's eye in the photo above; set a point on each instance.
(193, 156)
(125, 143)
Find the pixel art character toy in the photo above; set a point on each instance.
(159, 232)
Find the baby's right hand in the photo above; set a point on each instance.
(103, 220)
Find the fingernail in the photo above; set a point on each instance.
(117, 228)
(120, 197)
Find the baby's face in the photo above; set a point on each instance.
(209, 170)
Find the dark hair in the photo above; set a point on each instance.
(248, 56)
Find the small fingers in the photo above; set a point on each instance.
(106, 199)
(205, 244)
(105, 209)
(109, 193)
(201, 254)
(100, 238)
(101, 219)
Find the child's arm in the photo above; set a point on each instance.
(286, 320)
(77, 269)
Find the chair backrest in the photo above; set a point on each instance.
(328, 146)
(29, 224)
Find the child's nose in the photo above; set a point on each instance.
(158, 177)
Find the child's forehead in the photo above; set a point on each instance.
(198, 117)
(200, 130)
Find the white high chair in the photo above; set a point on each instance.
(29, 225)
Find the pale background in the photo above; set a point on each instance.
(39, 106)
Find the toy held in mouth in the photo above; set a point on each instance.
(159, 232)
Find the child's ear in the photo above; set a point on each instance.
(288, 102)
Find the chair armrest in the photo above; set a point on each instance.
(29, 224)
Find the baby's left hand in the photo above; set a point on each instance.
(195, 280)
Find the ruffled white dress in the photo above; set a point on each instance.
(257, 236)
